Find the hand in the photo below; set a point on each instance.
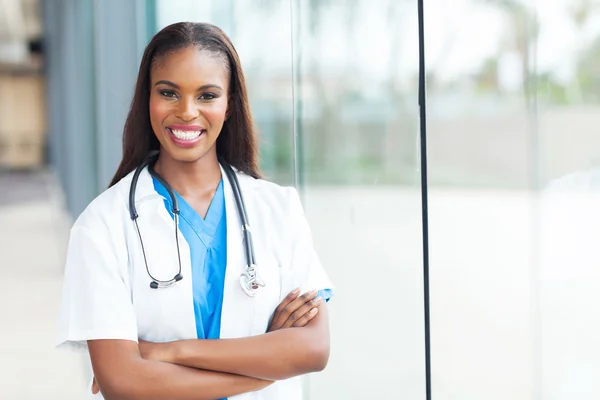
(295, 311)
(154, 351)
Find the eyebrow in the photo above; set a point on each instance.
(174, 85)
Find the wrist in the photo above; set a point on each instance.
(169, 352)
(191, 353)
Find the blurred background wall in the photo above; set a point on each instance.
(513, 149)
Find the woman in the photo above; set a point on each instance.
(148, 302)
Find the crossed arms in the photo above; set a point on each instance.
(296, 343)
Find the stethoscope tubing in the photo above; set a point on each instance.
(249, 280)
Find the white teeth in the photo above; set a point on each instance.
(186, 135)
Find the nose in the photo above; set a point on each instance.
(188, 110)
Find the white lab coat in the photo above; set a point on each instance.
(106, 292)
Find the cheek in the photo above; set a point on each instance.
(216, 114)
(158, 111)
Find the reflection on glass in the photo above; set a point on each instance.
(569, 115)
(333, 88)
(338, 117)
(482, 167)
(513, 109)
(356, 65)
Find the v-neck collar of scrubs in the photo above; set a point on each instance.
(205, 227)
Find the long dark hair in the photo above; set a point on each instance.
(236, 143)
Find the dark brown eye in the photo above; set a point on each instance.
(208, 96)
(167, 93)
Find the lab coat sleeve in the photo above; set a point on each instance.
(96, 299)
(305, 270)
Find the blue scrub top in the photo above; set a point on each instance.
(207, 239)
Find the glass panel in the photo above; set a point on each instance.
(341, 122)
(482, 167)
(568, 58)
(513, 112)
(356, 65)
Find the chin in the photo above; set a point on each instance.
(188, 155)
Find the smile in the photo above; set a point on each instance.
(186, 136)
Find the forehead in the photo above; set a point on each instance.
(190, 67)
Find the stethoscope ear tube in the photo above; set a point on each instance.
(151, 159)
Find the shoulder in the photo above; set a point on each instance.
(108, 209)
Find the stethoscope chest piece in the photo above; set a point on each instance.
(250, 281)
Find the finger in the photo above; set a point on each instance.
(306, 318)
(297, 304)
(302, 311)
(95, 388)
(277, 321)
(292, 307)
(293, 295)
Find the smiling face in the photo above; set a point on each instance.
(188, 103)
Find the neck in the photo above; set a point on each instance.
(188, 178)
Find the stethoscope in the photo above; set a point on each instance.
(249, 280)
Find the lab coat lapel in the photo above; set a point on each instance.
(238, 308)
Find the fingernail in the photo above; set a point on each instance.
(318, 300)
(296, 291)
(314, 293)
(314, 311)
